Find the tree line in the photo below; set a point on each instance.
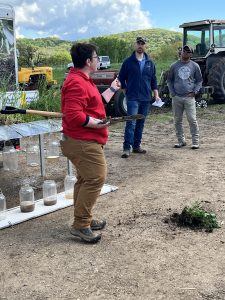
(52, 51)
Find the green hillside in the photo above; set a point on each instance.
(53, 51)
(50, 42)
(157, 37)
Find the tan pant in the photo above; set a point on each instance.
(89, 161)
(187, 104)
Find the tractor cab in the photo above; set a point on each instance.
(207, 38)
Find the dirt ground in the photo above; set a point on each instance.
(140, 256)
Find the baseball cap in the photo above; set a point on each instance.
(141, 39)
(188, 48)
(70, 65)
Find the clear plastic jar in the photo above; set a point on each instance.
(33, 155)
(26, 194)
(10, 158)
(49, 192)
(69, 182)
(2, 206)
(52, 149)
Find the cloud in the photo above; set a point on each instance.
(25, 14)
(77, 19)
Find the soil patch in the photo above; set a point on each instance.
(140, 256)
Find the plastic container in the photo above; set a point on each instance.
(26, 194)
(33, 155)
(10, 158)
(49, 192)
(2, 206)
(52, 149)
(69, 182)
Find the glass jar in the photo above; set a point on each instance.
(2, 206)
(26, 194)
(10, 158)
(69, 182)
(52, 149)
(23, 144)
(33, 155)
(49, 192)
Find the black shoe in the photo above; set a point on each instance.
(85, 234)
(139, 150)
(97, 224)
(180, 145)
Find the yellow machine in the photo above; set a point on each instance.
(32, 78)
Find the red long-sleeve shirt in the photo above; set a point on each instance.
(79, 98)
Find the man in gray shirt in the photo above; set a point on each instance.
(184, 81)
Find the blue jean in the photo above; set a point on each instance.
(134, 129)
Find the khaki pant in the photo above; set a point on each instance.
(187, 104)
(89, 161)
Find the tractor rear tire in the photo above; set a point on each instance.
(120, 104)
(216, 78)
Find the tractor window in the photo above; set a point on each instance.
(199, 39)
(219, 35)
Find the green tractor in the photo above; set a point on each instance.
(207, 38)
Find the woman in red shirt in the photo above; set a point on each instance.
(84, 136)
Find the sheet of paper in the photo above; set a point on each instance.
(158, 103)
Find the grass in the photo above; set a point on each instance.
(215, 112)
(49, 100)
(196, 217)
(160, 115)
(12, 99)
(59, 74)
(116, 66)
(59, 71)
(165, 116)
(160, 66)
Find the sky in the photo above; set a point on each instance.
(81, 19)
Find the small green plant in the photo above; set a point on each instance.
(49, 100)
(196, 217)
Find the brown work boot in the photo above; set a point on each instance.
(97, 224)
(85, 234)
(139, 150)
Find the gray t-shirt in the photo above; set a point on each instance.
(184, 78)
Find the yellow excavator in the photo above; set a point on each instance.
(32, 78)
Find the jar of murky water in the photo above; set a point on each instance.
(49, 192)
(69, 182)
(26, 194)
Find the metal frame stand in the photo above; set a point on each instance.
(42, 155)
